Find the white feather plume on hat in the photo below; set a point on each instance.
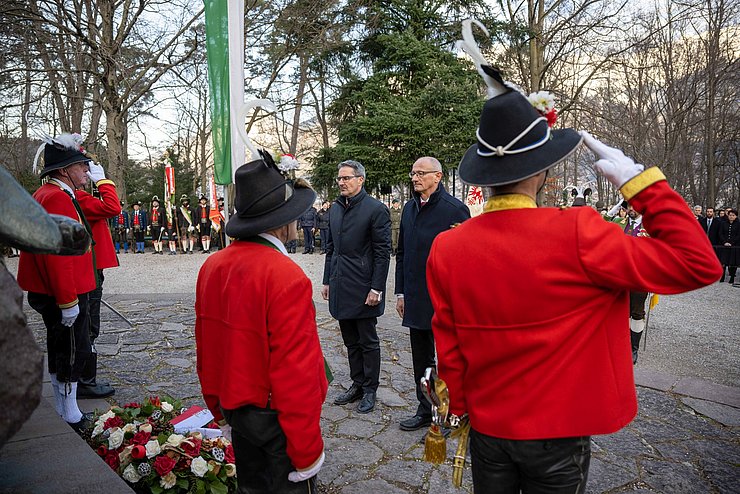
(62, 141)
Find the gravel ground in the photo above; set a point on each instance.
(694, 334)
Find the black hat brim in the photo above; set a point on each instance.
(299, 203)
(501, 170)
(76, 158)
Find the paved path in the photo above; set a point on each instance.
(686, 438)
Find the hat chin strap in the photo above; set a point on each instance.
(504, 150)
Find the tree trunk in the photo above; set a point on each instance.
(298, 105)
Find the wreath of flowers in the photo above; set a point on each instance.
(139, 443)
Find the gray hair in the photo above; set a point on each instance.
(355, 165)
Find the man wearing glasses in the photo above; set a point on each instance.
(430, 211)
(358, 252)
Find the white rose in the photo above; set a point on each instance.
(107, 415)
(129, 428)
(166, 407)
(230, 469)
(97, 430)
(199, 466)
(175, 439)
(131, 474)
(116, 438)
(153, 448)
(145, 427)
(168, 481)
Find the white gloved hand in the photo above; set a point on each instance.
(301, 475)
(226, 431)
(96, 172)
(191, 228)
(128, 230)
(612, 163)
(615, 209)
(69, 316)
(161, 228)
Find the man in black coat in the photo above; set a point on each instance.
(430, 211)
(308, 223)
(711, 226)
(358, 251)
(322, 223)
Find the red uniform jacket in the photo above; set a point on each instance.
(256, 339)
(532, 323)
(97, 211)
(62, 277)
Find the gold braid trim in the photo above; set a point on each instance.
(640, 182)
(458, 462)
(105, 181)
(508, 201)
(69, 304)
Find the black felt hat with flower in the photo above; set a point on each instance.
(515, 138)
(60, 152)
(266, 199)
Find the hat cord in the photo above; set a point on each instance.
(503, 150)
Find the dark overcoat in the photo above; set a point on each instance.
(419, 227)
(358, 253)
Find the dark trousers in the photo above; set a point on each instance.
(637, 305)
(546, 466)
(363, 351)
(262, 463)
(422, 356)
(308, 239)
(90, 371)
(68, 348)
(324, 236)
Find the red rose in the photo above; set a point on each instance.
(191, 446)
(132, 405)
(138, 452)
(229, 454)
(154, 400)
(113, 422)
(102, 450)
(552, 117)
(164, 465)
(112, 460)
(141, 438)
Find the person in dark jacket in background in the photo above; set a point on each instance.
(430, 211)
(308, 223)
(322, 223)
(729, 239)
(358, 254)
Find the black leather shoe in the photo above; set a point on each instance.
(367, 403)
(86, 422)
(415, 423)
(353, 394)
(98, 390)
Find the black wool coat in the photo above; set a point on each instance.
(358, 252)
(419, 227)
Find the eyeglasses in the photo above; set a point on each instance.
(346, 178)
(422, 173)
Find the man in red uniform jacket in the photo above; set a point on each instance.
(98, 210)
(259, 360)
(58, 286)
(536, 350)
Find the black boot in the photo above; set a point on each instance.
(732, 270)
(87, 386)
(635, 339)
(722, 280)
(353, 394)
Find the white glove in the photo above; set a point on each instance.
(69, 316)
(226, 431)
(612, 163)
(191, 228)
(301, 475)
(96, 172)
(615, 209)
(128, 230)
(161, 228)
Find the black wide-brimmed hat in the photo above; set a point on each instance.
(265, 199)
(61, 152)
(184, 198)
(155, 198)
(514, 142)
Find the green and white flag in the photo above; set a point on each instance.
(225, 48)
